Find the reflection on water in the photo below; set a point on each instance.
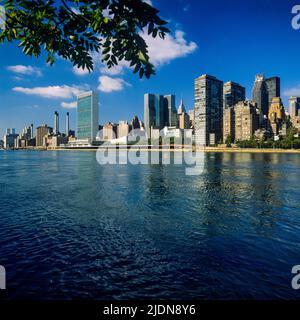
(71, 228)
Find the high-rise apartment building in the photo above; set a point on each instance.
(294, 106)
(41, 133)
(208, 110)
(276, 115)
(123, 129)
(87, 116)
(246, 120)
(233, 93)
(228, 124)
(109, 131)
(191, 114)
(10, 139)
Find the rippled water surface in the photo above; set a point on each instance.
(70, 228)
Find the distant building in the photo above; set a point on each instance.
(109, 131)
(191, 114)
(295, 121)
(135, 123)
(208, 110)
(233, 93)
(67, 124)
(273, 88)
(246, 120)
(170, 118)
(56, 123)
(151, 106)
(54, 141)
(11, 139)
(42, 133)
(276, 115)
(183, 117)
(159, 111)
(123, 129)
(26, 133)
(229, 124)
(87, 116)
(264, 90)
(26, 138)
(294, 106)
(260, 94)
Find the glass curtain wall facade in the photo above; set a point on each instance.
(87, 116)
(208, 110)
(232, 94)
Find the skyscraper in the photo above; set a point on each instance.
(32, 133)
(183, 117)
(294, 106)
(170, 117)
(135, 123)
(41, 132)
(56, 123)
(87, 116)
(67, 124)
(273, 88)
(159, 111)
(233, 93)
(264, 90)
(276, 115)
(123, 129)
(260, 94)
(208, 110)
(246, 120)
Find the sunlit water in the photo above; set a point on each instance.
(70, 228)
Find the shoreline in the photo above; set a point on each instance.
(206, 150)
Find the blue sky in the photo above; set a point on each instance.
(230, 39)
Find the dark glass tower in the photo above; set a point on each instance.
(208, 110)
(260, 94)
(233, 93)
(273, 88)
(159, 111)
(264, 90)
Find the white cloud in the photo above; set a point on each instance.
(69, 105)
(53, 92)
(25, 70)
(108, 84)
(80, 71)
(149, 2)
(160, 52)
(291, 92)
(163, 51)
(115, 70)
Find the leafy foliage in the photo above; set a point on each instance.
(289, 141)
(228, 141)
(75, 29)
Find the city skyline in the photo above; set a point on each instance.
(32, 89)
